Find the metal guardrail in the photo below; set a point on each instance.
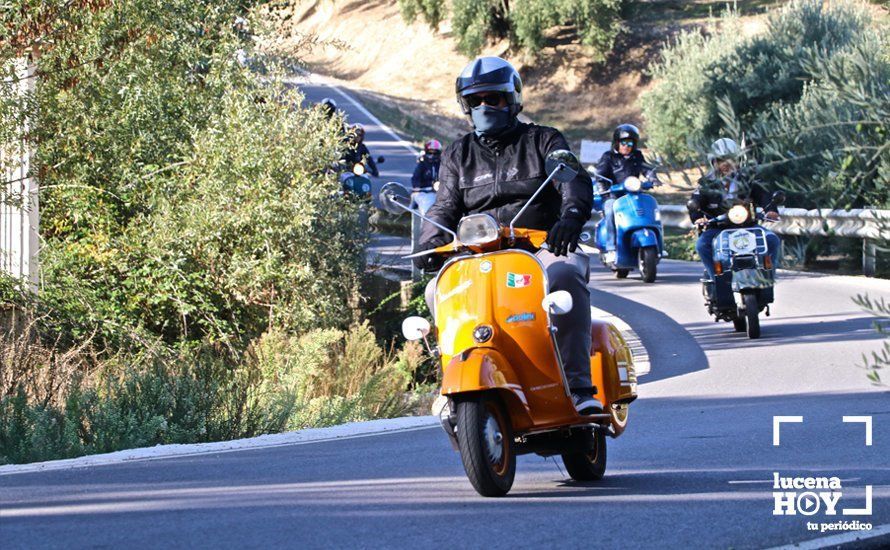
(868, 225)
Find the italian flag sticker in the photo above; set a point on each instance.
(517, 280)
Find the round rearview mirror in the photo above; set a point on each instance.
(558, 302)
(779, 198)
(566, 162)
(392, 195)
(380, 160)
(415, 328)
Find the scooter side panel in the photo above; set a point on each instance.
(612, 367)
(635, 211)
(504, 290)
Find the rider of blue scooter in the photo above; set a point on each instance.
(615, 166)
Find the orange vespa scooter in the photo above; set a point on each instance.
(504, 391)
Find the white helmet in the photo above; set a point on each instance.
(722, 149)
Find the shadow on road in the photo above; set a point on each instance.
(672, 350)
(774, 332)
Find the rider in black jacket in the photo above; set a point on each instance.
(357, 152)
(723, 186)
(622, 161)
(495, 170)
(426, 173)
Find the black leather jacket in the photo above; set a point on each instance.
(355, 154)
(713, 199)
(618, 168)
(425, 173)
(497, 177)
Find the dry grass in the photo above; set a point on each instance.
(44, 371)
(411, 69)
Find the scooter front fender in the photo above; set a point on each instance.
(485, 369)
(644, 237)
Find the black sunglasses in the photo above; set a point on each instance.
(627, 142)
(493, 100)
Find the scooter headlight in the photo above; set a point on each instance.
(632, 184)
(478, 229)
(738, 214)
(358, 169)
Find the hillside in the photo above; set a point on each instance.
(406, 72)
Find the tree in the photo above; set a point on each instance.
(523, 22)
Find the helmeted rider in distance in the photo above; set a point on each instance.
(494, 170)
(357, 151)
(726, 184)
(426, 173)
(622, 161)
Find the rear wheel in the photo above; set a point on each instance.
(648, 262)
(752, 312)
(588, 466)
(621, 273)
(485, 441)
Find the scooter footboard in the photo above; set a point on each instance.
(479, 370)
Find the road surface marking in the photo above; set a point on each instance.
(315, 79)
(836, 540)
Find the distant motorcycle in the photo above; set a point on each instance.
(745, 276)
(355, 181)
(639, 238)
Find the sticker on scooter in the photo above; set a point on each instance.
(742, 241)
(521, 317)
(518, 280)
(485, 266)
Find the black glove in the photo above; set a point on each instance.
(430, 262)
(563, 236)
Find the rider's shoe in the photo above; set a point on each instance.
(585, 403)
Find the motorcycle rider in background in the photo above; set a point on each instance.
(726, 184)
(619, 163)
(426, 173)
(495, 170)
(357, 151)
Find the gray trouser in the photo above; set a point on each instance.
(569, 273)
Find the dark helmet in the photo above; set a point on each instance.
(329, 106)
(490, 74)
(625, 131)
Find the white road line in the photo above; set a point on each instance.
(315, 79)
(352, 430)
(836, 540)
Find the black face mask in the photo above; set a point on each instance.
(432, 157)
(491, 121)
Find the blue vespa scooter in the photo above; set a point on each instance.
(638, 232)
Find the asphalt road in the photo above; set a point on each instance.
(400, 159)
(694, 468)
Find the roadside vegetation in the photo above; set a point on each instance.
(198, 280)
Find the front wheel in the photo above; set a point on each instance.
(588, 466)
(752, 312)
(648, 262)
(485, 441)
(739, 323)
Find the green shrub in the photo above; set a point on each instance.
(432, 11)
(524, 22)
(752, 75)
(203, 393)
